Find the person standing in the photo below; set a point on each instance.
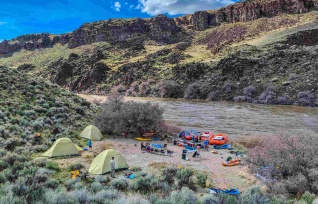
(90, 145)
(205, 143)
(112, 167)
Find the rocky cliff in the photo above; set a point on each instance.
(31, 42)
(161, 29)
(246, 11)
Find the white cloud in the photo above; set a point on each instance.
(174, 7)
(117, 6)
(130, 7)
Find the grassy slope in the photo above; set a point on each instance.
(30, 104)
(259, 32)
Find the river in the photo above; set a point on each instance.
(234, 119)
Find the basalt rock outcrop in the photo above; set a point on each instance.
(246, 11)
(31, 42)
(161, 29)
(78, 72)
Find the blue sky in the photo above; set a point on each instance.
(19, 17)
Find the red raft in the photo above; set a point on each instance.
(206, 135)
(219, 139)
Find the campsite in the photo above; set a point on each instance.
(159, 102)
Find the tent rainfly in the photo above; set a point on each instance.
(62, 147)
(101, 163)
(91, 132)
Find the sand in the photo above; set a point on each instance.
(226, 177)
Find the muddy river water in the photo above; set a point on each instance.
(234, 119)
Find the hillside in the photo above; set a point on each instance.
(31, 105)
(149, 56)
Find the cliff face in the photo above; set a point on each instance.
(161, 29)
(31, 42)
(247, 11)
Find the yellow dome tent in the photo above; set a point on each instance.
(62, 147)
(101, 163)
(91, 132)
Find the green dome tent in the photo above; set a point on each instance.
(91, 132)
(62, 147)
(101, 163)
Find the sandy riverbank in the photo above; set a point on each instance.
(227, 177)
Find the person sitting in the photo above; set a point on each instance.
(195, 154)
(148, 148)
(196, 139)
(142, 146)
(229, 159)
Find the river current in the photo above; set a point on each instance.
(235, 119)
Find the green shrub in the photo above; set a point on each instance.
(76, 166)
(79, 186)
(2, 152)
(119, 184)
(10, 199)
(40, 162)
(135, 168)
(185, 196)
(308, 197)
(197, 90)
(254, 195)
(70, 184)
(102, 179)
(51, 184)
(119, 116)
(169, 174)
(96, 186)
(3, 165)
(140, 174)
(209, 199)
(135, 199)
(145, 184)
(201, 179)
(184, 178)
(52, 166)
(2, 178)
(165, 187)
(105, 197)
(80, 196)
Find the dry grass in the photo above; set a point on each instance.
(159, 165)
(247, 142)
(198, 53)
(101, 146)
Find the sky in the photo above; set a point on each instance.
(19, 17)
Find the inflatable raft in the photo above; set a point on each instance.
(219, 139)
(142, 139)
(231, 163)
(206, 135)
(188, 134)
(225, 146)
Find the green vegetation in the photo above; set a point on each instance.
(288, 165)
(31, 105)
(119, 116)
